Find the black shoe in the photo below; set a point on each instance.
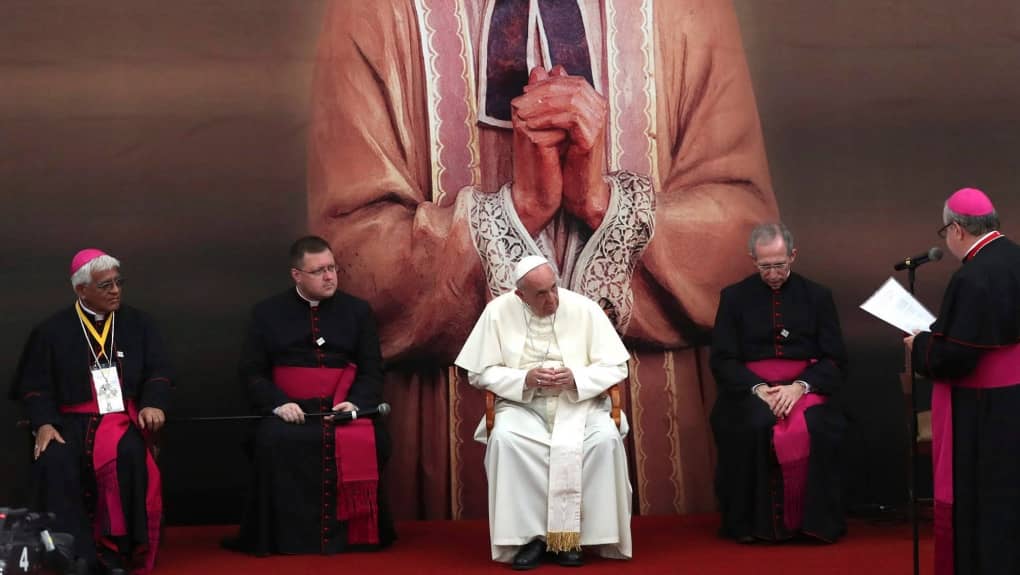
(239, 545)
(746, 540)
(529, 555)
(570, 558)
(232, 543)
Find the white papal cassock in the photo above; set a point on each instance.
(555, 463)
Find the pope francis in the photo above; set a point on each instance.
(555, 460)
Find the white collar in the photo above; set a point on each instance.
(97, 315)
(978, 241)
(311, 302)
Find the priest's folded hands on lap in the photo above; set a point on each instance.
(550, 378)
(780, 398)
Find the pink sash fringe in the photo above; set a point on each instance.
(110, 520)
(354, 448)
(790, 437)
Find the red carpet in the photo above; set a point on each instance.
(666, 544)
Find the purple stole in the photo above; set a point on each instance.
(996, 368)
(354, 447)
(101, 447)
(790, 437)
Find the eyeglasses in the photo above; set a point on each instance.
(944, 230)
(763, 268)
(319, 271)
(107, 285)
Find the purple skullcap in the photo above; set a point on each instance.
(83, 257)
(970, 202)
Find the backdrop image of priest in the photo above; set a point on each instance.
(589, 136)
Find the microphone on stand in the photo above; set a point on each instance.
(932, 255)
(911, 264)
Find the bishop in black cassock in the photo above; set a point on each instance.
(777, 357)
(313, 349)
(973, 355)
(95, 471)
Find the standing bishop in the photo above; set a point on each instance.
(972, 352)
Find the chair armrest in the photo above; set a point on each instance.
(490, 411)
(615, 399)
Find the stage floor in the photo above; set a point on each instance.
(663, 544)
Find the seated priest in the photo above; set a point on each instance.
(314, 349)
(95, 380)
(555, 460)
(777, 356)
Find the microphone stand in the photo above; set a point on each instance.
(912, 487)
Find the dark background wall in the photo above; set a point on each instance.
(172, 134)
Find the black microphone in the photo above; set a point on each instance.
(932, 255)
(345, 416)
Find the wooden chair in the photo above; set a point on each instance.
(922, 435)
(615, 398)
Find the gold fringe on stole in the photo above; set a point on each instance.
(563, 541)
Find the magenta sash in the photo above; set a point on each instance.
(790, 436)
(996, 368)
(354, 447)
(109, 513)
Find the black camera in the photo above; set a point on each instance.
(28, 546)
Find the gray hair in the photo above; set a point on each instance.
(767, 233)
(975, 225)
(100, 264)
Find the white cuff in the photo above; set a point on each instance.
(807, 386)
(754, 390)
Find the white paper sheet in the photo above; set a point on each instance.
(893, 304)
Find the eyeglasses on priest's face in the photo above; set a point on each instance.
(108, 285)
(318, 272)
(944, 230)
(776, 267)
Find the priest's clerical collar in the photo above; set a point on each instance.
(980, 243)
(311, 302)
(98, 316)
